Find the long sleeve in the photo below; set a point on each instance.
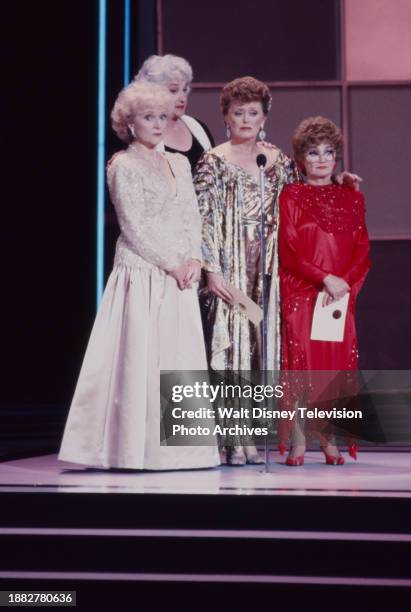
(360, 261)
(141, 223)
(291, 257)
(205, 184)
(192, 217)
(194, 228)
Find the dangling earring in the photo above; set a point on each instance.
(261, 133)
(132, 130)
(228, 131)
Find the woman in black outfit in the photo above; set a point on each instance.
(184, 134)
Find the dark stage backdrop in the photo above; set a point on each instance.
(49, 188)
(271, 40)
(49, 83)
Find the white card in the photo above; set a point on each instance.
(329, 321)
(246, 305)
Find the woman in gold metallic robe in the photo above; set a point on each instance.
(227, 185)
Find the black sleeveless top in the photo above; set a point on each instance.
(195, 152)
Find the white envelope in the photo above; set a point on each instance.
(246, 305)
(329, 321)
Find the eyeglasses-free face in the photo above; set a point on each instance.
(149, 125)
(245, 120)
(179, 89)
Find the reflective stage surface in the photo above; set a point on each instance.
(374, 474)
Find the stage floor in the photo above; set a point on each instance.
(376, 474)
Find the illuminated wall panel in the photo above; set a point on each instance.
(381, 154)
(378, 39)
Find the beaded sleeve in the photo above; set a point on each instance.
(360, 261)
(191, 215)
(142, 225)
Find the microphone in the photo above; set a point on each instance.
(261, 160)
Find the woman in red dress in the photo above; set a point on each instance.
(323, 247)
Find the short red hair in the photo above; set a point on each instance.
(243, 90)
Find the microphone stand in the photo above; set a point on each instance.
(261, 162)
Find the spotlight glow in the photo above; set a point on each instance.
(101, 144)
(126, 78)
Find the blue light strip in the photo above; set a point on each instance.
(101, 144)
(127, 24)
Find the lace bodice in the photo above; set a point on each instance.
(158, 227)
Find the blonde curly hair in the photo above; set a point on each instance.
(133, 99)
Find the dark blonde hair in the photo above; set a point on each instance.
(314, 130)
(243, 90)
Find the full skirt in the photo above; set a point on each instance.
(144, 324)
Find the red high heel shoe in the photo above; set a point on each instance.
(352, 451)
(281, 448)
(332, 459)
(294, 461)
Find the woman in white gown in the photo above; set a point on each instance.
(149, 317)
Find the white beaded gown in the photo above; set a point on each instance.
(145, 324)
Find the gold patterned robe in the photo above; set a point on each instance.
(229, 201)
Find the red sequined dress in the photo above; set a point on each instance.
(322, 231)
